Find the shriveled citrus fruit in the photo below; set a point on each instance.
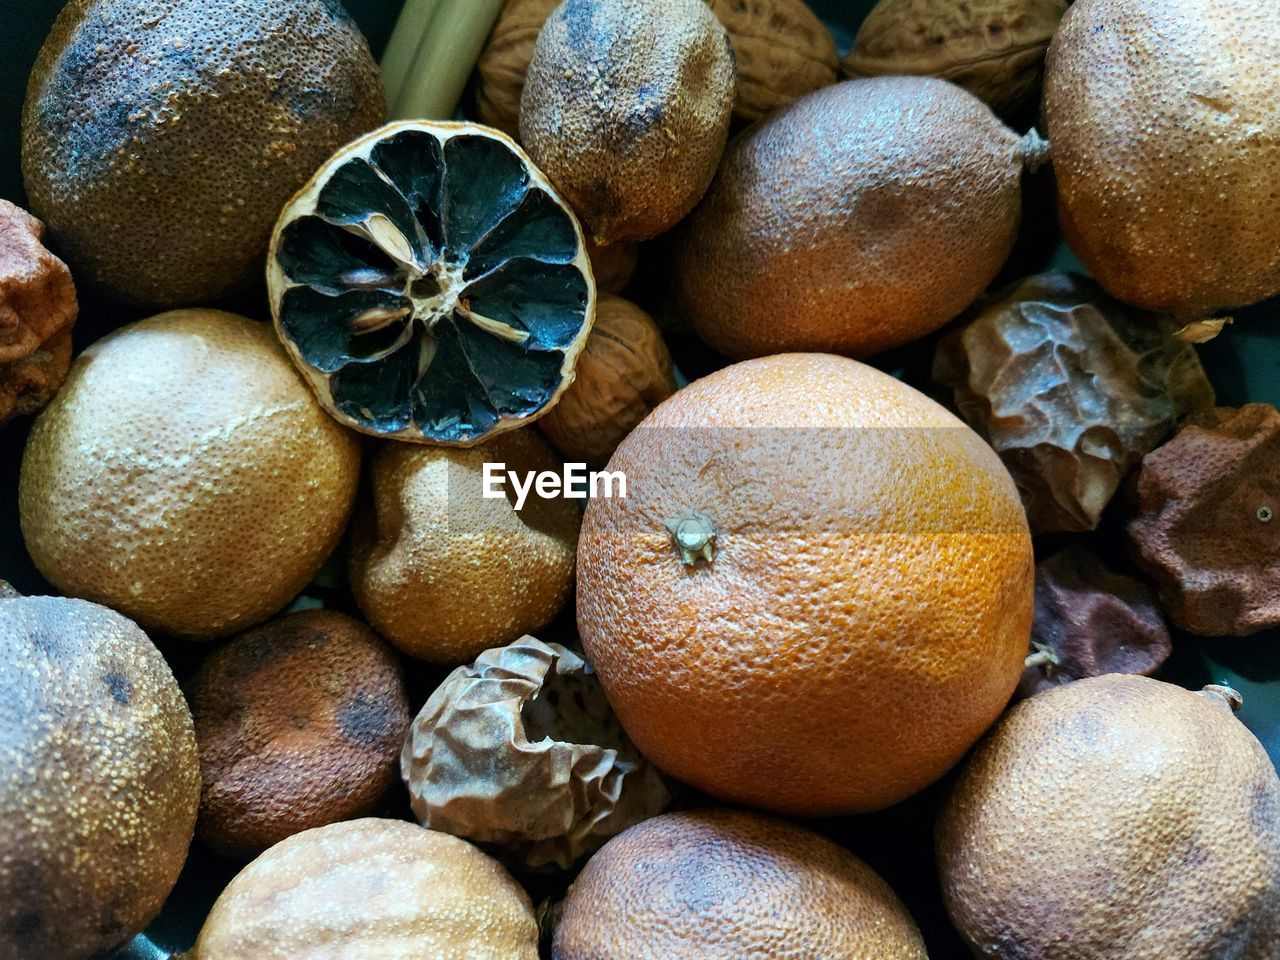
(1164, 117)
(835, 225)
(1116, 818)
(632, 140)
(431, 285)
(445, 572)
(99, 779)
(818, 591)
(185, 476)
(729, 885)
(374, 889)
(159, 140)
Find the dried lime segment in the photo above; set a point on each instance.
(431, 285)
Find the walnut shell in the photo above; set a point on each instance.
(782, 49)
(521, 751)
(1072, 389)
(1207, 521)
(37, 312)
(993, 48)
(622, 374)
(1089, 621)
(783, 52)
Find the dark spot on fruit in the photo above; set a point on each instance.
(366, 721)
(579, 23)
(118, 686)
(27, 928)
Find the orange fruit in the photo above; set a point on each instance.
(861, 613)
(728, 885)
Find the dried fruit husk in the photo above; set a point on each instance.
(993, 48)
(1090, 621)
(632, 141)
(782, 51)
(624, 372)
(520, 751)
(614, 265)
(38, 310)
(1072, 389)
(1206, 509)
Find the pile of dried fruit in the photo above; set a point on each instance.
(443, 533)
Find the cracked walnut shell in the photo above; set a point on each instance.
(1072, 389)
(521, 751)
(995, 49)
(37, 312)
(1206, 525)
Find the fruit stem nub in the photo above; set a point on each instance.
(1223, 695)
(694, 535)
(1034, 150)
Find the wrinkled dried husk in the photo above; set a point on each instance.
(505, 61)
(993, 48)
(37, 312)
(1090, 621)
(476, 769)
(1206, 524)
(1071, 389)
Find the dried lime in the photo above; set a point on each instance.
(431, 285)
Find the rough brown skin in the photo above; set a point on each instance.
(38, 308)
(993, 48)
(99, 779)
(1116, 818)
(299, 722)
(186, 476)
(833, 226)
(373, 889)
(730, 885)
(1204, 514)
(1164, 117)
(630, 141)
(868, 608)
(161, 139)
(624, 372)
(782, 51)
(445, 573)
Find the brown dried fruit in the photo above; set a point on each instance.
(521, 751)
(299, 723)
(1072, 389)
(613, 266)
(1207, 524)
(623, 373)
(1090, 621)
(37, 311)
(782, 51)
(993, 48)
(631, 142)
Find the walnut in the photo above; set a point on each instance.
(1090, 621)
(993, 48)
(1072, 389)
(520, 751)
(782, 49)
(783, 52)
(37, 312)
(1207, 521)
(623, 373)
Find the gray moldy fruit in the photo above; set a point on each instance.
(631, 141)
(99, 780)
(1164, 117)
(160, 139)
(834, 226)
(1116, 818)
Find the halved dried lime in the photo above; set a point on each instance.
(431, 285)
